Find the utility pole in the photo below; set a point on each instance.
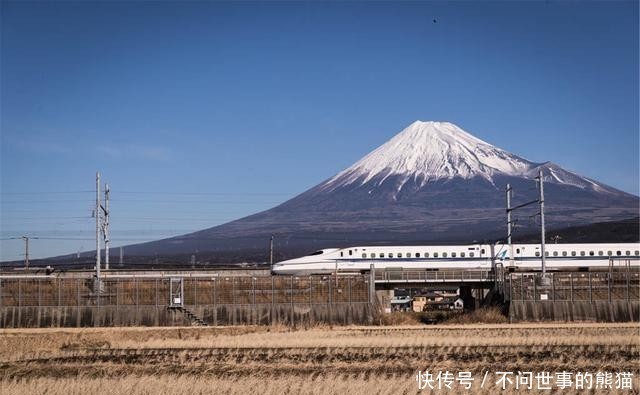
(543, 279)
(97, 213)
(26, 252)
(271, 251)
(106, 226)
(509, 225)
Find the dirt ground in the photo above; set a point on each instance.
(322, 360)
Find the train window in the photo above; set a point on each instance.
(564, 253)
(555, 253)
(408, 255)
(609, 253)
(517, 250)
(399, 255)
(591, 253)
(417, 255)
(462, 255)
(453, 255)
(444, 254)
(426, 255)
(482, 251)
(435, 254)
(537, 253)
(637, 253)
(600, 253)
(350, 252)
(391, 255)
(582, 253)
(628, 253)
(341, 253)
(317, 252)
(618, 253)
(372, 255)
(364, 254)
(546, 253)
(573, 253)
(382, 255)
(471, 254)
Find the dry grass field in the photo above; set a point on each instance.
(321, 360)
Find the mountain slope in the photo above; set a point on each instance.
(432, 182)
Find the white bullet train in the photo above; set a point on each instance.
(526, 257)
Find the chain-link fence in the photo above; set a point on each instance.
(577, 286)
(195, 291)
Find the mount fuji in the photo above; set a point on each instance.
(431, 183)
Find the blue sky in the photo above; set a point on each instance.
(220, 110)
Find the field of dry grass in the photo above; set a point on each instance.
(322, 360)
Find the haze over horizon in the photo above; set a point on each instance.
(201, 113)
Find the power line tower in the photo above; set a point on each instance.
(543, 279)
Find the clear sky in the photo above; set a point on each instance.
(197, 113)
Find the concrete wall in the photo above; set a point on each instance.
(93, 316)
(601, 311)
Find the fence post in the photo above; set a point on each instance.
(135, 281)
(233, 290)
(292, 315)
(59, 280)
(628, 283)
(19, 292)
(590, 290)
(609, 285)
(372, 283)
(553, 286)
(571, 284)
(156, 298)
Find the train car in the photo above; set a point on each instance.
(517, 257)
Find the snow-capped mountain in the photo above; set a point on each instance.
(431, 183)
(430, 151)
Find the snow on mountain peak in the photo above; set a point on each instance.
(429, 151)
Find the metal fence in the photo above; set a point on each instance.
(208, 291)
(577, 286)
